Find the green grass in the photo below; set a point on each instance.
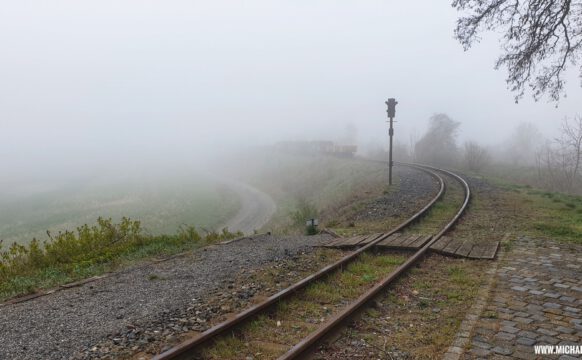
(490, 314)
(547, 214)
(225, 348)
(89, 251)
(323, 293)
(458, 275)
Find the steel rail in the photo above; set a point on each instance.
(300, 349)
(187, 346)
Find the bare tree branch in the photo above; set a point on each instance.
(540, 37)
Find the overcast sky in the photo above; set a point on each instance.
(122, 79)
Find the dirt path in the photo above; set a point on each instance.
(256, 210)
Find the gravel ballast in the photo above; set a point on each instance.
(415, 189)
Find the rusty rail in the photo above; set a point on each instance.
(184, 348)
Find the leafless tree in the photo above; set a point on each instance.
(559, 163)
(571, 148)
(438, 145)
(550, 175)
(475, 156)
(540, 38)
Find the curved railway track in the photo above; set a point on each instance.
(189, 348)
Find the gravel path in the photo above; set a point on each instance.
(256, 209)
(61, 325)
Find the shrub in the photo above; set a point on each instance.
(72, 255)
(304, 210)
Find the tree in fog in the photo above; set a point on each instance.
(559, 163)
(572, 141)
(523, 144)
(438, 145)
(570, 148)
(475, 156)
(540, 39)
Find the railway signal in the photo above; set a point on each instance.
(391, 111)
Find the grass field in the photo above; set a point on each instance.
(161, 204)
(546, 214)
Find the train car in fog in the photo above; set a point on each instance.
(317, 147)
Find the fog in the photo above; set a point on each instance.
(117, 86)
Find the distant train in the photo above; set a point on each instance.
(317, 147)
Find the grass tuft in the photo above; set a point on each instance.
(458, 275)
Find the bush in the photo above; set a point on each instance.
(73, 255)
(304, 210)
(475, 156)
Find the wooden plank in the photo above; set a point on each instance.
(326, 245)
(477, 251)
(351, 241)
(356, 240)
(401, 240)
(333, 242)
(394, 239)
(484, 251)
(388, 242)
(441, 243)
(370, 238)
(417, 242)
(340, 242)
(465, 249)
(452, 247)
(420, 241)
(411, 239)
(384, 236)
(490, 250)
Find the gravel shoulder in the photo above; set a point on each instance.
(64, 324)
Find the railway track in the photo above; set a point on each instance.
(191, 349)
